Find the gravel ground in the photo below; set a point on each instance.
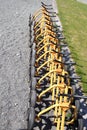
(14, 62)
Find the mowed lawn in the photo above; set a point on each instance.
(73, 16)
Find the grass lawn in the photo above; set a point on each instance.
(73, 16)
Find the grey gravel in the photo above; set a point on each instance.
(14, 62)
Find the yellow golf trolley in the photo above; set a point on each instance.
(51, 79)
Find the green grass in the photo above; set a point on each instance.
(73, 16)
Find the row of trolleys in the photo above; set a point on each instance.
(51, 74)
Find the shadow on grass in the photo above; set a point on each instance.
(79, 65)
(85, 92)
(85, 82)
(75, 57)
(81, 73)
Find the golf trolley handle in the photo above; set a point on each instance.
(50, 15)
(53, 26)
(58, 60)
(67, 76)
(67, 95)
(67, 54)
(75, 77)
(51, 29)
(51, 12)
(63, 45)
(70, 96)
(46, 7)
(70, 63)
(73, 63)
(52, 36)
(61, 37)
(55, 21)
(57, 52)
(56, 27)
(45, 4)
(51, 19)
(53, 42)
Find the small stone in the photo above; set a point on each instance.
(16, 13)
(81, 110)
(84, 104)
(2, 113)
(81, 100)
(16, 104)
(85, 116)
(18, 54)
(84, 128)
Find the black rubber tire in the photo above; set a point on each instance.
(31, 118)
(32, 71)
(77, 104)
(33, 98)
(80, 124)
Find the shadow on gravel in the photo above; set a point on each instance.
(83, 107)
(45, 122)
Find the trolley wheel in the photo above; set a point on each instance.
(31, 118)
(80, 124)
(33, 83)
(33, 97)
(32, 71)
(77, 104)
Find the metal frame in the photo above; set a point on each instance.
(46, 49)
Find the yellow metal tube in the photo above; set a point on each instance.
(47, 74)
